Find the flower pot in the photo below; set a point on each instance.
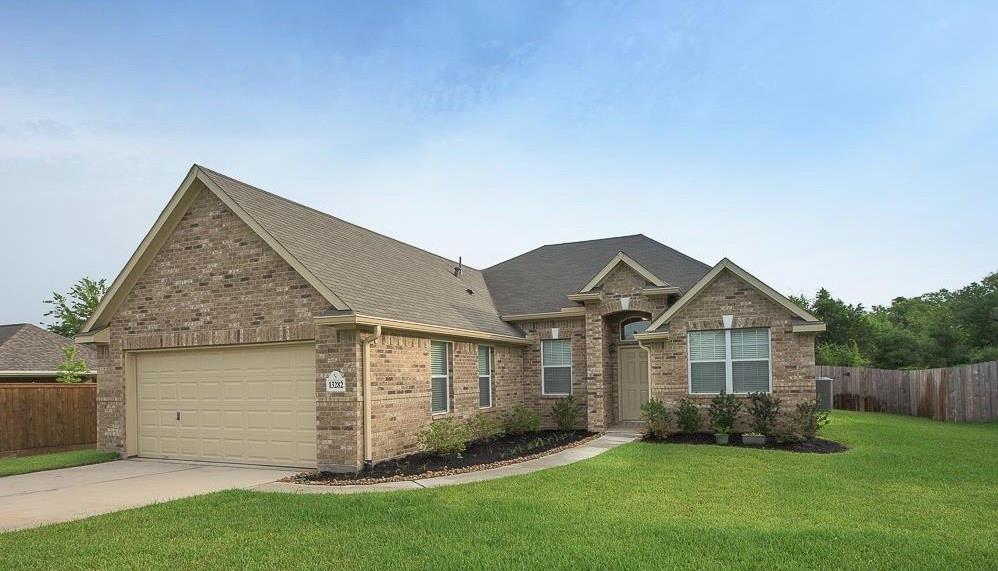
(754, 439)
(721, 438)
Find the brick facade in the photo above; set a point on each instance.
(792, 354)
(215, 282)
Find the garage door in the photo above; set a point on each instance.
(253, 405)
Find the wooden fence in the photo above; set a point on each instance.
(47, 416)
(965, 393)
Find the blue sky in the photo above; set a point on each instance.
(826, 144)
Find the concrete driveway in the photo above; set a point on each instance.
(41, 498)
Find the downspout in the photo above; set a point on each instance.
(648, 361)
(366, 344)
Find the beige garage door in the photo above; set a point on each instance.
(253, 405)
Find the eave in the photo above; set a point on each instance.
(355, 320)
(563, 313)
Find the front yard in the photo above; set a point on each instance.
(52, 461)
(910, 493)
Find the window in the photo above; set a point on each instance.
(484, 376)
(439, 377)
(733, 360)
(556, 367)
(629, 327)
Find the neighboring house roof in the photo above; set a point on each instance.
(539, 280)
(26, 348)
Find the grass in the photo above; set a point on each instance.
(910, 494)
(39, 462)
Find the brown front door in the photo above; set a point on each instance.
(633, 380)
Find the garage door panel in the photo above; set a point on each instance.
(241, 404)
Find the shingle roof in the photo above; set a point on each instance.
(25, 347)
(539, 280)
(374, 274)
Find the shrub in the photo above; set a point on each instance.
(803, 423)
(566, 413)
(443, 437)
(764, 408)
(688, 414)
(658, 421)
(521, 420)
(483, 427)
(724, 412)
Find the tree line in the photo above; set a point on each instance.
(937, 329)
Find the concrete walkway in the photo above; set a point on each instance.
(41, 498)
(54, 496)
(613, 438)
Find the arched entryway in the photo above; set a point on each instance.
(628, 365)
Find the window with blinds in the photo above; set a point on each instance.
(556, 367)
(439, 377)
(733, 361)
(484, 376)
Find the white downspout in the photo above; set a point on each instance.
(648, 362)
(366, 343)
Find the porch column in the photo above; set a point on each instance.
(595, 389)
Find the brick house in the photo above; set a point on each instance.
(249, 328)
(30, 354)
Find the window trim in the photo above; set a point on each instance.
(448, 355)
(729, 378)
(571, 372)
(491, 376)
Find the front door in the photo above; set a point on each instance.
(633, 380)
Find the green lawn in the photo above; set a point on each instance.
(39, 462)
(910, 494)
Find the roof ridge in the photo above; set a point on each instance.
(563, 244)
(688, 257)
(211, 172)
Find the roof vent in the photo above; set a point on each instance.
(459, 267)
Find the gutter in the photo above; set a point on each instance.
(366, 372)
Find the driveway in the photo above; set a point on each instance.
(41, 498)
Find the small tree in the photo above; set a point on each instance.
(658, 421)
(72, 310)
(566, 413)
(764, 409)
(73, 367)
(688, 414)
(724, 412)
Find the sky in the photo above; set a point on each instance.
(816, 144)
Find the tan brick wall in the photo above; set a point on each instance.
(792, 354)
(603, 338)
(215, 282)
(573, 329)
(400, 388)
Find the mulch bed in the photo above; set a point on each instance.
(478, 456)
(814, 446)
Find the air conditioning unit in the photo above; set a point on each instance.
(823, 393)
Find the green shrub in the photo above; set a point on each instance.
(566, 413)
(521, 420)
(658, 421)
(688, 414)
(764, 408)
(483, 427)
(443, 437)
(724, 412)
(804, 423)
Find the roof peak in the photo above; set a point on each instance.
(211, 172)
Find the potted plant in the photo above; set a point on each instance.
(723, 413)
(764, 409)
